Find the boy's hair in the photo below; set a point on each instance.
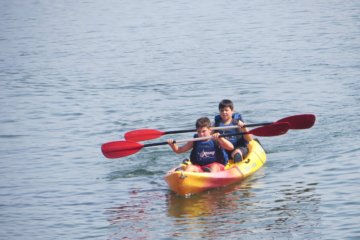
(226, 103)
(203, 122)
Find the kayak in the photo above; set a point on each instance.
(187, 183)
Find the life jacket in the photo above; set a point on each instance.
(206, 152)
(237, 140)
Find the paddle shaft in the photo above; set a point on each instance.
(218, 128)
(194, 139)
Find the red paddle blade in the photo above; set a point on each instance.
(120, 148)
(271, 130)
(301, 121)
(143, 134)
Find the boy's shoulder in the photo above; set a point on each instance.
(237, 116)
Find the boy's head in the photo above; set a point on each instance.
(226, 109)
(203, 122)
(226, 103)
(203, 127)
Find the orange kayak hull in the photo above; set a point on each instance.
(187, 183)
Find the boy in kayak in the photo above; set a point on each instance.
(207, 155)
(228, 117)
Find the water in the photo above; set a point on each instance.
(76, 74)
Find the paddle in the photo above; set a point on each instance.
(301, 121)
(125, 148)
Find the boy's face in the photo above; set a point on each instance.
(226, 113)
(204, 132)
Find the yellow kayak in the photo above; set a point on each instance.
(186, 183)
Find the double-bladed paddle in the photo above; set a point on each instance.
(119, 149)
(301, 121)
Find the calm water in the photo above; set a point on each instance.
(76, 74)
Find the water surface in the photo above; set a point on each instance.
(78, 74)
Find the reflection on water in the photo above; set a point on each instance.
(125, 219)
(243, 210)
(208, 215)
(132, 219)
(135, 218)
(214, 202)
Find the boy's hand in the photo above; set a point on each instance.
(216, 135)
(241, 124)
(170, 142)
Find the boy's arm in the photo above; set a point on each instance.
(182, 149)
(247, 137)
(223, 142)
